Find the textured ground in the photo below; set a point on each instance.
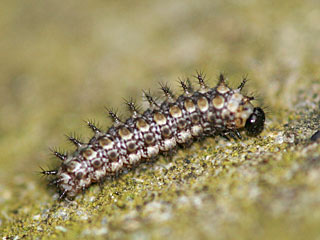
(61, 64)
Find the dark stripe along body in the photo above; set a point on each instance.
(176, 121)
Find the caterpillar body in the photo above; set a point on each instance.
(176, 121)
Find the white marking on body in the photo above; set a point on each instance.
(203, 104)
(218, 102)
(66, 187)
(142, 125)
(124, 133)
(225, 113)
(99, 174)
(159, 118)
(116, 166)
(74, 166)
(92, 155)
(189, 105)
(223, 89)
(175, 111)
(184, 136)
(134, 158)
(85, 182)
(106, 143)
(65, 177)
(152, 151)
(169, 144)
(196, 130)
(234, 102)
(233, 106)
(244, 114)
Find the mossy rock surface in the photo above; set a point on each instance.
(62, 63)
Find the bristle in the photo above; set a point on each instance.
(132, 106)
(75, 141)
(49, 172)
(150, 100)
(62, 156)
(93, 127)
(248, 99)
(186, 86)
(63, 194)
(113, 115)
(189, 85)
(167, 91)
(201, 78)
(221, 79)
(244, 80)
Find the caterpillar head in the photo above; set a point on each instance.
(255, 123)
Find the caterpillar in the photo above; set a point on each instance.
(176, 121)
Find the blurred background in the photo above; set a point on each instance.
(61, 62)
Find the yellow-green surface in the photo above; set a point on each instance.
(61, 62)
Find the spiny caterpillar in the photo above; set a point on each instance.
(177, 121)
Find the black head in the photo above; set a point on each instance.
(255, 122)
